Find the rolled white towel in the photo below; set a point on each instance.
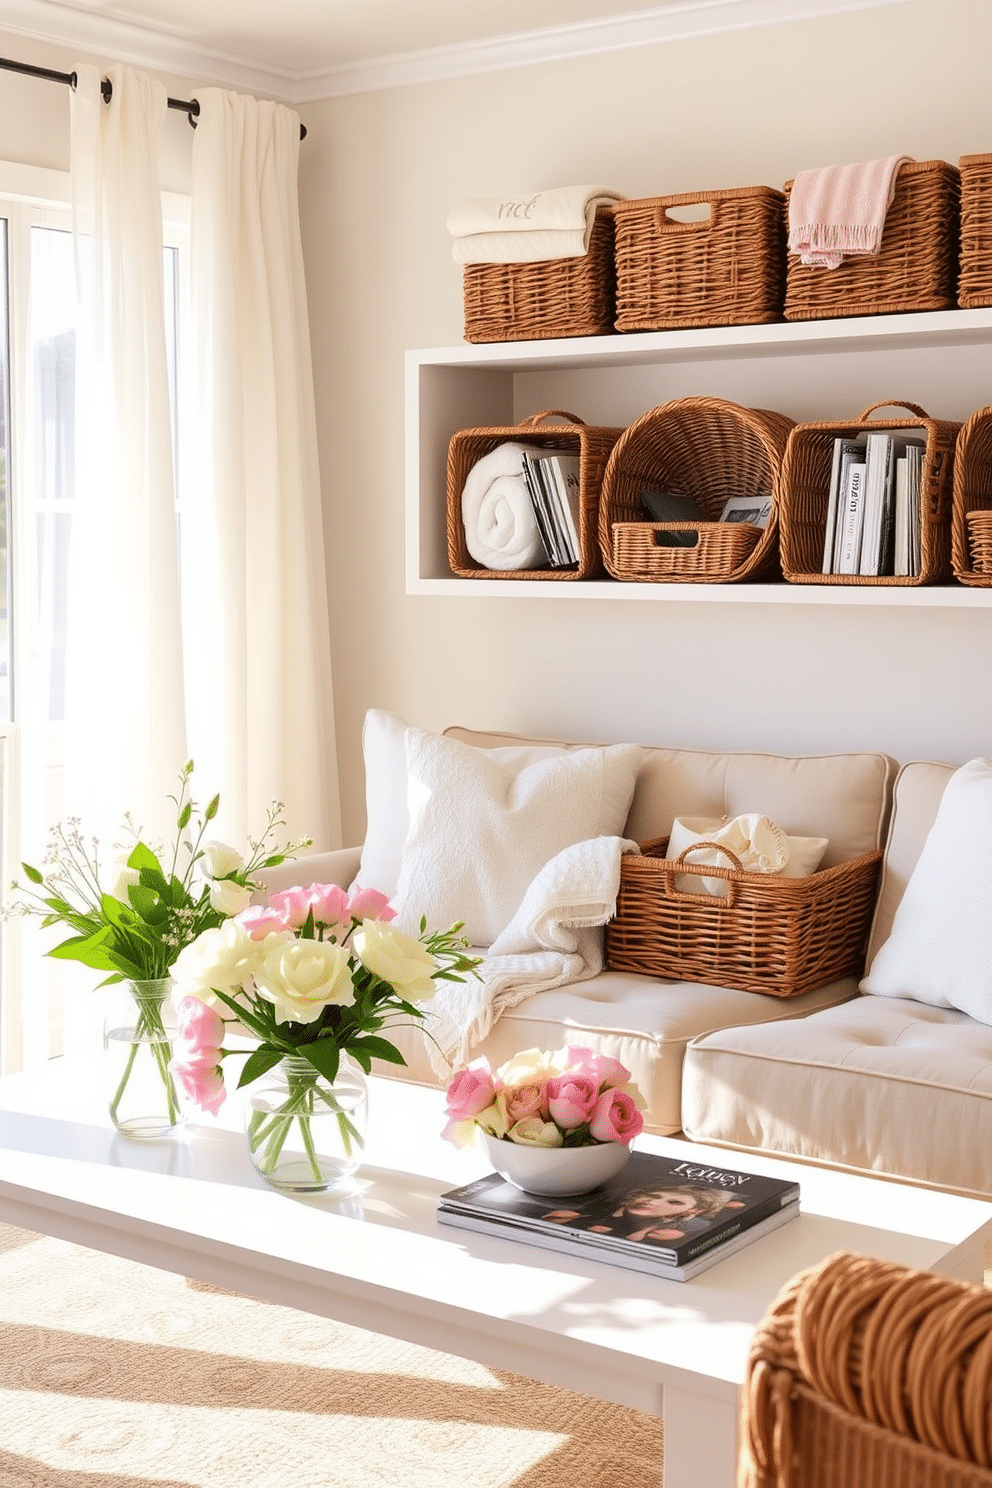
(501, 530)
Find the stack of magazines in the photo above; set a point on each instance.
(671, 1218)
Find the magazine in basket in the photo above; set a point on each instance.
(669, 1217)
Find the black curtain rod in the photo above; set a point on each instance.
(191, 107)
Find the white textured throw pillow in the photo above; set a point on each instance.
(481, 828)
(387, 817)
(940, 948)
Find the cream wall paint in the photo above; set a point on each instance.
(380, 172)
(378, 175)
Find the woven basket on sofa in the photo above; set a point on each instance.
(592, 444)
(781, 936)
(867, 1374)
(806, 487)
(725, 269)
(540, 301)
(915, 268)
(709, 449)
(971, 519)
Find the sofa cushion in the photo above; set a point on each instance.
(644, 1023)
(481, 829)
(386, 811)
(843, 797)
(887, 1085)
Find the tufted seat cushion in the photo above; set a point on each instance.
(643, 1022)
(885, 1084)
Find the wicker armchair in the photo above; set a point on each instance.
(865, 1374)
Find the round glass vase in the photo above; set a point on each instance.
(306, 1134)
(137, 1037)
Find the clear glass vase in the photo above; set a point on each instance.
(144, 1102)
(305, 1134)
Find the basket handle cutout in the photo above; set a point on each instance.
(676, 537)
(688, 214)
(705, 870)
(893, 403)
(560, 414)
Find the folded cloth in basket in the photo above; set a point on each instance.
(555, 937)
(536, 228)
(501, 529)
(840, 210)
(759, 843)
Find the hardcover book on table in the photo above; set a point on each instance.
(669, 1217)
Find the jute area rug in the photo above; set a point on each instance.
(115, 1375)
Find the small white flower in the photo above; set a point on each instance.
(228, 897)
(220, 861)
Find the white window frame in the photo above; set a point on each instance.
(36, 196)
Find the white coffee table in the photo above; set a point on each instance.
(378, 1259)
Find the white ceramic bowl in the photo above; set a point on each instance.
(555, 1170)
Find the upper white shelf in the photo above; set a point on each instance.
(826, 369)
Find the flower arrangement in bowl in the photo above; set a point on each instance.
(552, 1123)
(315, 976)
(130, 913)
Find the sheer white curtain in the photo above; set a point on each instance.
(125, 734)
(259, 677)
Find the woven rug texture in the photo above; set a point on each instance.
(116, 1375)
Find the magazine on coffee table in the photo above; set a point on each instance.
(666, 1216)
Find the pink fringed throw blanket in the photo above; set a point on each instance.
(840, 210)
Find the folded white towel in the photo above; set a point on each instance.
(501, 530)
(532, 228)
(756, 841)
(555, 937)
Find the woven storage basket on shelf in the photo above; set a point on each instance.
(711, 450)
(975, 276)
(782, 936)
(915, 268)
(592, 445)
(728, 269)
(971, 520)
(543, 301)
(806, 486)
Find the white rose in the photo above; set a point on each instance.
(533, 1132)
(228, 897)
(222, 959)
(302, 976)
(531, 1067)
(220, 861)
(493, 1118)
(116, 876)
(397, 958)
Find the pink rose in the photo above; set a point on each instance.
(471, 1090)
(526, 1101)
(198, 1027)
(615, 1118)
(329, 903)
(369, 904)
(261, 920)
(571, 1098)
(294, 906)
(604, 1070)
(203, 1084)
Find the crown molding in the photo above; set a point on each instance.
(47, 20)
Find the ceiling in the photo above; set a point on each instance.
(305, 49)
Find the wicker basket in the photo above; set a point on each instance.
(728, 269)
(541, 301)
(806, 488)
(971, 520)
(591, 444)
(915, 268)
(781, 936)
(975, 279)
(708, 449)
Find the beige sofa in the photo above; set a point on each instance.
(887, 1084)
(644, 1022)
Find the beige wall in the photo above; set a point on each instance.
(379, 173)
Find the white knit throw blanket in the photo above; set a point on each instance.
(555, 937)
(497, 513)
